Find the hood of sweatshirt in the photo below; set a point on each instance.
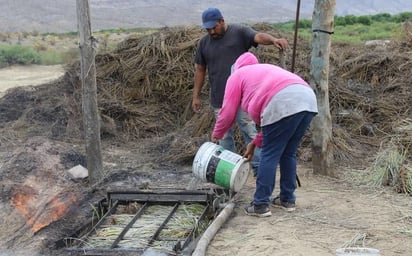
(245, 59)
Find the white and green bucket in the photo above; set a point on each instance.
(357, 251)
(222, 167)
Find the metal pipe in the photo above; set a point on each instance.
(295, 36)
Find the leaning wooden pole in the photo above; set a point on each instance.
(322, 27)
(91, 122)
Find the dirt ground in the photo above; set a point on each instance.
(28, 75)
(331, 212)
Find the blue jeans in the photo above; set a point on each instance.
(280, 144)
(248, 130)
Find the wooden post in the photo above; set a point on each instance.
(322, 27)
(89, 100)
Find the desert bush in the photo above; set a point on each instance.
(18, 54)
(40, 46)
(70, 56)
(51, 39)
(4, 37)
(25, 34)
(35, 33)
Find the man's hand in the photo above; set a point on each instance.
(281, 43)
(250, 149)
(266, 39)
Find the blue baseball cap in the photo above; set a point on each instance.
(210, 17)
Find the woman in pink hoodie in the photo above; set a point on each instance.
(283, 105)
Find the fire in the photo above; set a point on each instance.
(21, 198)
(41, 209)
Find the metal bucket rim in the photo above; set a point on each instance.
(235, 172)
(202, 159)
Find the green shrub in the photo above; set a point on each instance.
(18, 54)
(401, 17)
(305, 23)
(364, 20)
(350, 19)
(381, 17)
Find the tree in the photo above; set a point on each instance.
(322, 27)
(91, 122)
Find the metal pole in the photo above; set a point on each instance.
(295, 36)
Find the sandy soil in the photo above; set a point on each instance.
(331, 213)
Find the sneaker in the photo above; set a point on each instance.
(258, 210)
(287, 206)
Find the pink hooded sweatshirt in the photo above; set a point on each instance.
(251, 86)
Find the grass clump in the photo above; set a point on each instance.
(391, 168)
(387, 166)
(51, 57)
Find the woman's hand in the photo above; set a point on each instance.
(214, 139)
(250, 149)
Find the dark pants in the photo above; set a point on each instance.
(279, 146)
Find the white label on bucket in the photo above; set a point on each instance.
(230, 156)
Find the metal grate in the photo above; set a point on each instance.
(135, 222)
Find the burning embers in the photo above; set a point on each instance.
(41, 206)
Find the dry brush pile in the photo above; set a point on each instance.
(145, 88)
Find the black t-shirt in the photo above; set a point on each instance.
(218, 55)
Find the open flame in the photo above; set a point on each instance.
(41, 209)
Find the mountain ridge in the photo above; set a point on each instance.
(58, 16)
